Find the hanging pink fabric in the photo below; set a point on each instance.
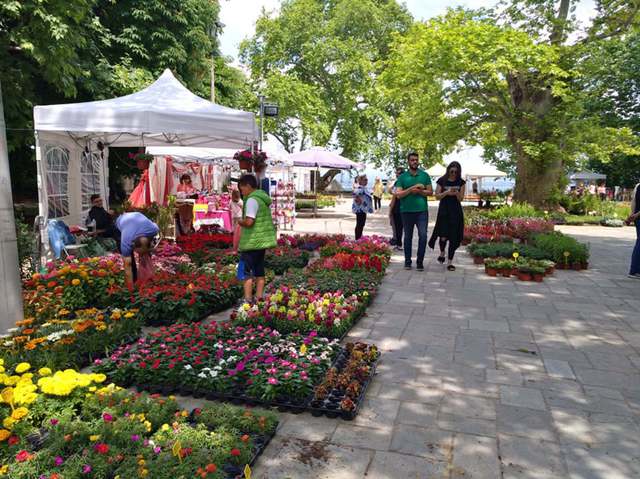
(141, 196)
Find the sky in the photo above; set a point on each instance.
(239, 16)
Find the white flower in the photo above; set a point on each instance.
(12, 330)
(188, 367)
(202, 375)
(8, 343)
(214, 374)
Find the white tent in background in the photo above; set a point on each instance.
(72, 140)
(586, 176)
(472, 164)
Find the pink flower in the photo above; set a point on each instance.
(273, 381)
(107, 417)
(86, 469)
(54, 421)
(58, 461)
(255, 372)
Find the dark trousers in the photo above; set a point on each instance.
(409, 221)
(635, 257)
(377, 202)
(443, 245)
(361, 219)
(397, 220)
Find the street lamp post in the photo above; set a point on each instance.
(10, 292)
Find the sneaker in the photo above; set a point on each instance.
(398, 248)
(407, 267)
(635, 276)
(420, 267)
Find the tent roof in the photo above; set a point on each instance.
(470, 159)
(318, 157)
(164, 113)
(214, 155)
(587, 175)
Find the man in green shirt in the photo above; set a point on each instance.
(414, 186)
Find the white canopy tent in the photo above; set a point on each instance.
(472, 164)
(586, 176)
(72, 140)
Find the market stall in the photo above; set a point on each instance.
(72, 140)
(317, 158)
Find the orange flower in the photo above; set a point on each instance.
(51, 284)
(28, 331)
(211, 468)
(30, 346)
(20, 339)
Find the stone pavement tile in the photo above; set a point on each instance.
(558, 369)
(525, 422)
(608, 406)
(417, 414)
(442, 353)
(431, 443)
(389, 320)
(470, 386)
(305, 426)
(408, 298)
(390, 465)
(377, 413)
(469, 406)
(612, 362)
(565, 353)
(519, 362)
(498, 326)
(379, 333)
(296, 458)
(402, 350)
(347, 434)
(633, 338)
(522, 397)
(396, 370)
(566, 399)
(544, 381)
(524, 458)
(499, 376)
(632, 398)
(411, 391)
(600, 462)
(616, 430)
(611, 379)
(596, 391)
(358, 333)
(466, 425)
(573, 426)
(475, 457)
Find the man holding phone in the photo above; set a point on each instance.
(414, 186)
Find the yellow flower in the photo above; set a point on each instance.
(19, 413)
(23, 368)
(165, 427)
(3, 469)
(75, 281)
(129, 315)
(44, 372)
(8, 422)
(94, 438)
(144, 473)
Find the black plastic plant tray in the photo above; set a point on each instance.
(330, 406)
(282, 405)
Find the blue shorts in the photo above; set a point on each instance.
(253, 263)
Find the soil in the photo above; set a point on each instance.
(310, 451)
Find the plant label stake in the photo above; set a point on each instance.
(177, 450)
(247, 471)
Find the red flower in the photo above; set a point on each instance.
(23, 456)
(101, 448)
(235, 452)
(211, 468)
(13, 440)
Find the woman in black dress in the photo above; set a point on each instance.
(450, 221)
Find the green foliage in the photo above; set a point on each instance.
(562, 248)
(25, 245)
(319, 60)
(516, 210)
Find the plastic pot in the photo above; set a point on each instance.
(492, 272)
(524, 276)
(538, 277)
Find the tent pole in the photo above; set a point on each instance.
(315, 191)
(10, 289)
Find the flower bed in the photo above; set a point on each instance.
(281, 259)
(223, 361)
(309, 241)
(525, 269)
(181, 297)
(322, 280)
(289, 310)
(367, 245)
(70, 431)
(499, 231)
(72, 339)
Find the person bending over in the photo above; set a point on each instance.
(137, 234)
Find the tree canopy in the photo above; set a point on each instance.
(320, 59)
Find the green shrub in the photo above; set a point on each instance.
(516, 210)
(561, 248)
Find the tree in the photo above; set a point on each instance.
(319, 59)
(509, 82)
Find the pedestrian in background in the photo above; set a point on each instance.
(378, 190)
(634, 218)
(395, 217)
(362, 204)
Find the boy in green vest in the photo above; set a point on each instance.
(258, 234)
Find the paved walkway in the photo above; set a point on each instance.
(486, 377)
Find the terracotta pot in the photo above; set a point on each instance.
(560, 266)
(549, 271)
(245, 164)
(538, 277)
(505, 272)
(492, 272)
(524, 276)
(142, 164)
(585, 265)
(478, 260)
(576, 266)
(514, 272)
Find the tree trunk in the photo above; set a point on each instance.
(326, 180)
(535, 183)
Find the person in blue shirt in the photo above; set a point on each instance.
(137, 233)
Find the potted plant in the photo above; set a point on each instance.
(549, 266)
(525, 273)
(537, 273)
(142, 159)
(491, 266)
(245, 158)
(505, 266)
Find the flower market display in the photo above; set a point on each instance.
(299, 310)
(219, 360)
(66, 425)
(309, 241)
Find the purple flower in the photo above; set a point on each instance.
(157, 449)
(58, 461)
(135, 437)
(86, 469)
(53, 421)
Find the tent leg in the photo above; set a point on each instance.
(11, 306)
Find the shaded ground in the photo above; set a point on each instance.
(486, 377)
